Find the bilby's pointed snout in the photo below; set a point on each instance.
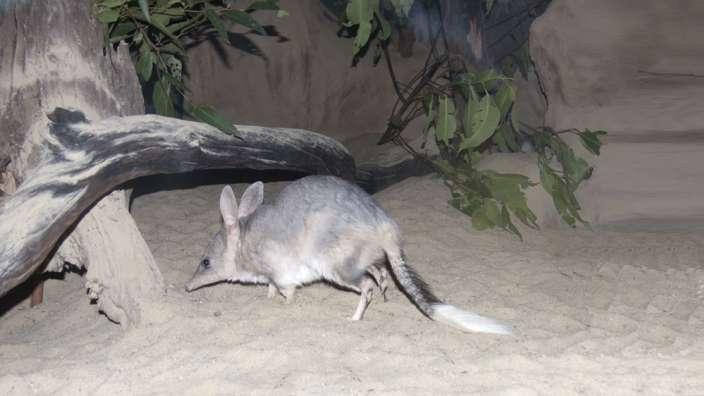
(201, 279)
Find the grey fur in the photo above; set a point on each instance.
(318, 228)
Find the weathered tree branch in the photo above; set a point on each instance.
(82, 162)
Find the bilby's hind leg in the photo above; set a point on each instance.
(357, 272)
(366, 292)
(381, 277)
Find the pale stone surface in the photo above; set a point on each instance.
(635, 69)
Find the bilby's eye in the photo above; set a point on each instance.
(205, 263)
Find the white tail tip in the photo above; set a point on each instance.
(468, 321)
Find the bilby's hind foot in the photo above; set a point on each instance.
(366, 288)
(381, 277)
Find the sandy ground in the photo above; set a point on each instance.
(595, 312)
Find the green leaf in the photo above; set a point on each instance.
(562, 196)
(210, 116)
(244, 19)
(161, 19)
(551, 184)
(359, 11)
(108, 15)
(446, 123)
(508, 224)
(492, 212)
(506, 134)
(591, 140)
(500, 140)
(122, 29)
(508, 188)
(145, 65)
(473, 157)
(272, 5)
(214, 20)
(163, 30)
(484, 121)
(144, 6)
(480, 221)
(487, 215)
(364, 31)
(281, 13)
(504, 99)
(575, 169)
(470, 106)
(162, 98)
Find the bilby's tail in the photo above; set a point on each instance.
(420, 293)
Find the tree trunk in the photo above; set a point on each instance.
(51, 56)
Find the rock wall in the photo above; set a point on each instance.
(636, 69)
(302, 80)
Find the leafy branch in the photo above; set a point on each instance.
(157, 32)
(470, 114)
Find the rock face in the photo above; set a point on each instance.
(302, 80)
(635, 69)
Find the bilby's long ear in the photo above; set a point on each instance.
(251, 199)
(228, 208)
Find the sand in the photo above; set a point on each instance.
(595, 312)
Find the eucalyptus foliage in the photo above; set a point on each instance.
(157, 32)
(469, 112)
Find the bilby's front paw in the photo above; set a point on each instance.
(273, 291)
(288, 294)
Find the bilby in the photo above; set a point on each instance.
(320, 228)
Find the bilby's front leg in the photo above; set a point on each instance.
(273, 291)
(288, 293)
